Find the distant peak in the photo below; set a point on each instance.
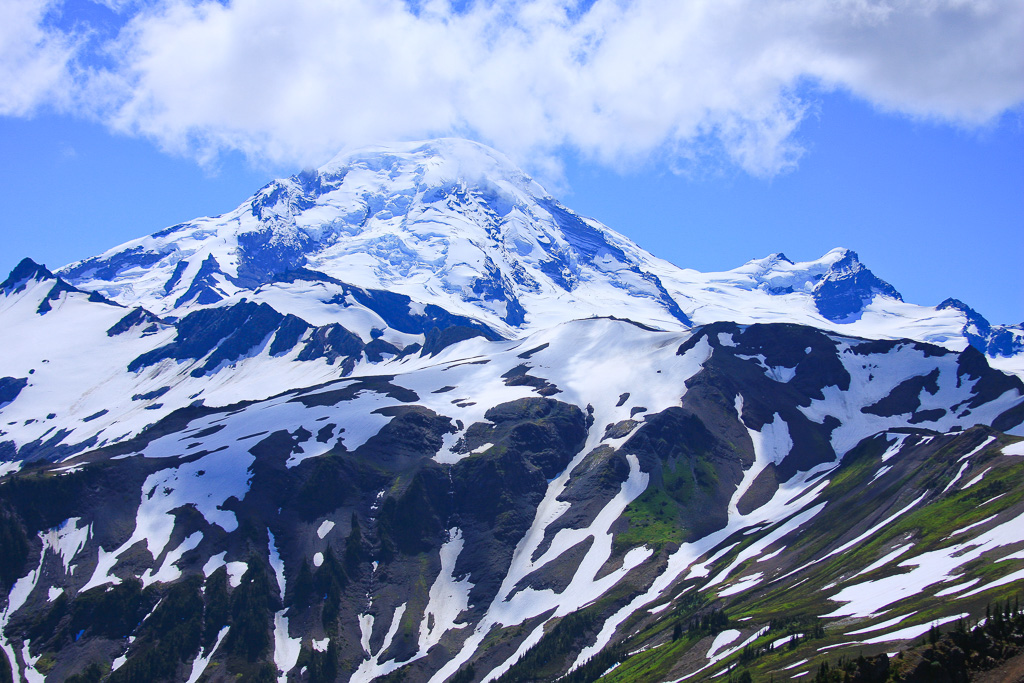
(780, 257)
(975, 319)
(956, 304)
(26, 270)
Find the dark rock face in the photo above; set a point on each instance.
(137, 316)
(10, 387)
(228, 332)
(203, 290)
(225, 335)
(847, 287)
(26, 270)
(995, 340)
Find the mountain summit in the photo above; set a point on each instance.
(448, 222)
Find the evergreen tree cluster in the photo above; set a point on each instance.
(566, 637)
(967, 648)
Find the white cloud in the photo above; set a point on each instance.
(33, 60)
(618, 80)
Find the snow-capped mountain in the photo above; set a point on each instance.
(407, 417)
(455, 224)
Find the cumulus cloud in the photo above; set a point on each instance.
(615, 80)
(34, 61)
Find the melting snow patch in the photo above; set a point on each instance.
(881, 471)
(1009, 578)
(894, 448)
(881, 562)
(936, 566)
(913, 631)
(324, 528)
(974, 481)
(873, 530)
(741, 585)
(955, 479)
(276, 563)
(971, 526)
(448, 597)
(286, 649)
(67, 540)
(1012, 449)
(984, 444)
(214, 563)
(953, 590)
(372, 668)
(235, 572)
(202, 661)
(722, 640)
(318, 559)
(880, 626)
(168, 571)
(8, 467)
(321, 645)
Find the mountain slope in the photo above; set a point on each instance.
(446, 512)
(406, 417)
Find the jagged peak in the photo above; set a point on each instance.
(26, 270)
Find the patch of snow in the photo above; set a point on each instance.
(936, 566)
(881, 625)
(235, 572)
(721, 641)
(372, 668)
(200, 663)
(168, 571)
(324, 528)
(912, 632)
(875, 529)
(743, 584)
(953, 590)
(286, 649)
(276, 563)
(881, 562)
(1009, 578)
(448, 596)
(881, 472)
(976, 479)
(984, 444)
(214, 563)
(971, 526)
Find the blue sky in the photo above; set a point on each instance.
(710, 133)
